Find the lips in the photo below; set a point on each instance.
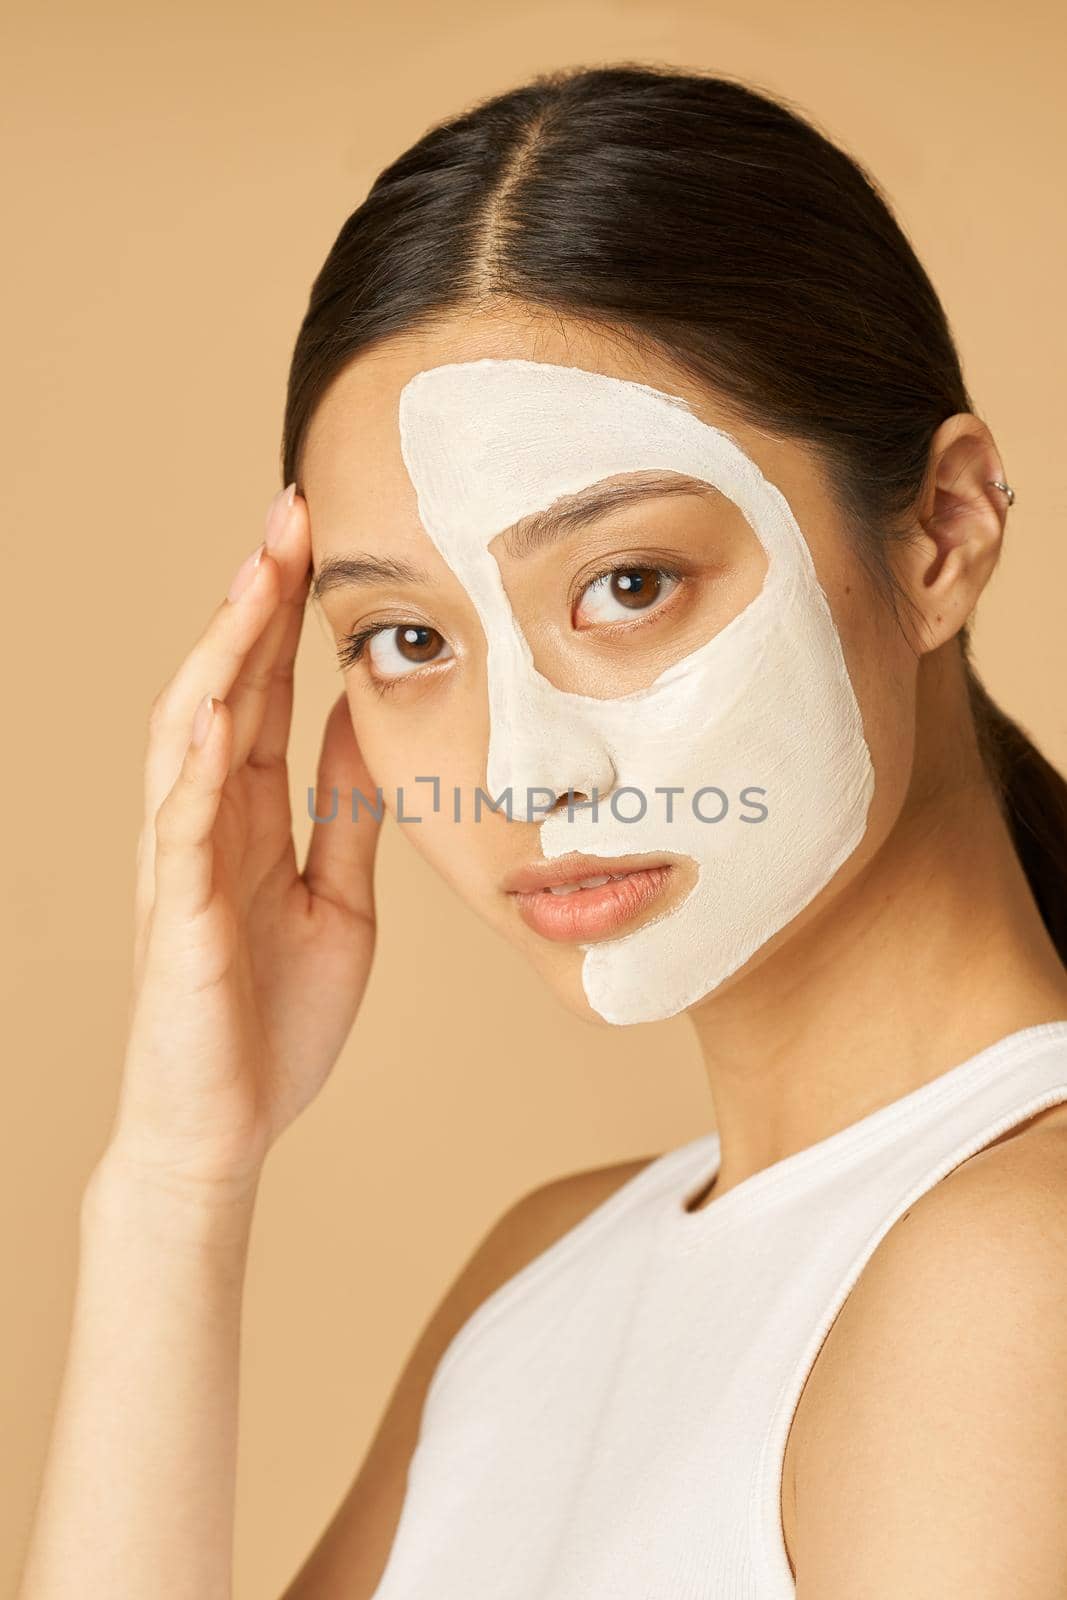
(586, 897)
(576, 868)
(584, 883)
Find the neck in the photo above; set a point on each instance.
(910, 970)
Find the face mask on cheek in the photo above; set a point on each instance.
(765, 704)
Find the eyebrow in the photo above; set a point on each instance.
(577, 510)
(339, 572)
(528, 534)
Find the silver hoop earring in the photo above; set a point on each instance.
(1006, 487)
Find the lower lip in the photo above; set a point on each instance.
(589, 913)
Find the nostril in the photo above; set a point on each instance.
(550, 759)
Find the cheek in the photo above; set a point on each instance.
(404, 736)
(468, 856)
(420, 753)
(883, 670)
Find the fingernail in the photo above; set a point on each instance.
(202, 721)
(278, 513)
(245, 573)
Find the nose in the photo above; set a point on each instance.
(543, 749)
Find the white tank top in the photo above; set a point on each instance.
(611, 1422)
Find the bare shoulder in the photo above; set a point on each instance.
(350, 1556)
(939, 1384)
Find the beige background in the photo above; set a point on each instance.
(173, 178)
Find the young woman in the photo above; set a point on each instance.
(629, 457)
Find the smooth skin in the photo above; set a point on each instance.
(928, 1428)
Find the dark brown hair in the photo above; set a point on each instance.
(697, 215)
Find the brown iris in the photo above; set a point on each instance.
(417, 643)
(635, 587)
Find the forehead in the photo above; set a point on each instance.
(490, 443)
(353, 469)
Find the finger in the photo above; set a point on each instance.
(185, 821)
(170, 724)
(211, 667)
(215, 661)
(264, 684)
(262, 733)
(232, 631)
(340, 858)
(143, 895)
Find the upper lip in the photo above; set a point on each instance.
(574, 868)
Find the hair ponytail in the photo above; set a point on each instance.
(1033, 798)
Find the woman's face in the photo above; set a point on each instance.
(592, 629)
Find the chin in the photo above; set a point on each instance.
(568, 989)
(564, 980)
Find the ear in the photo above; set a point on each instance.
(959, 532)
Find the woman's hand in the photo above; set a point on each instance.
(248, 973)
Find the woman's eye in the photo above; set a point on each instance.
(619, 593)
(394, 650)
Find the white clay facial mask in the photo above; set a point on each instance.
(765, 702)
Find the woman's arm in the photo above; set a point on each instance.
(247, 975)
(148, 1408)
(933, 1459)
(137, 1496)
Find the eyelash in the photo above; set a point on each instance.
(630, 566)
(350, 650)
